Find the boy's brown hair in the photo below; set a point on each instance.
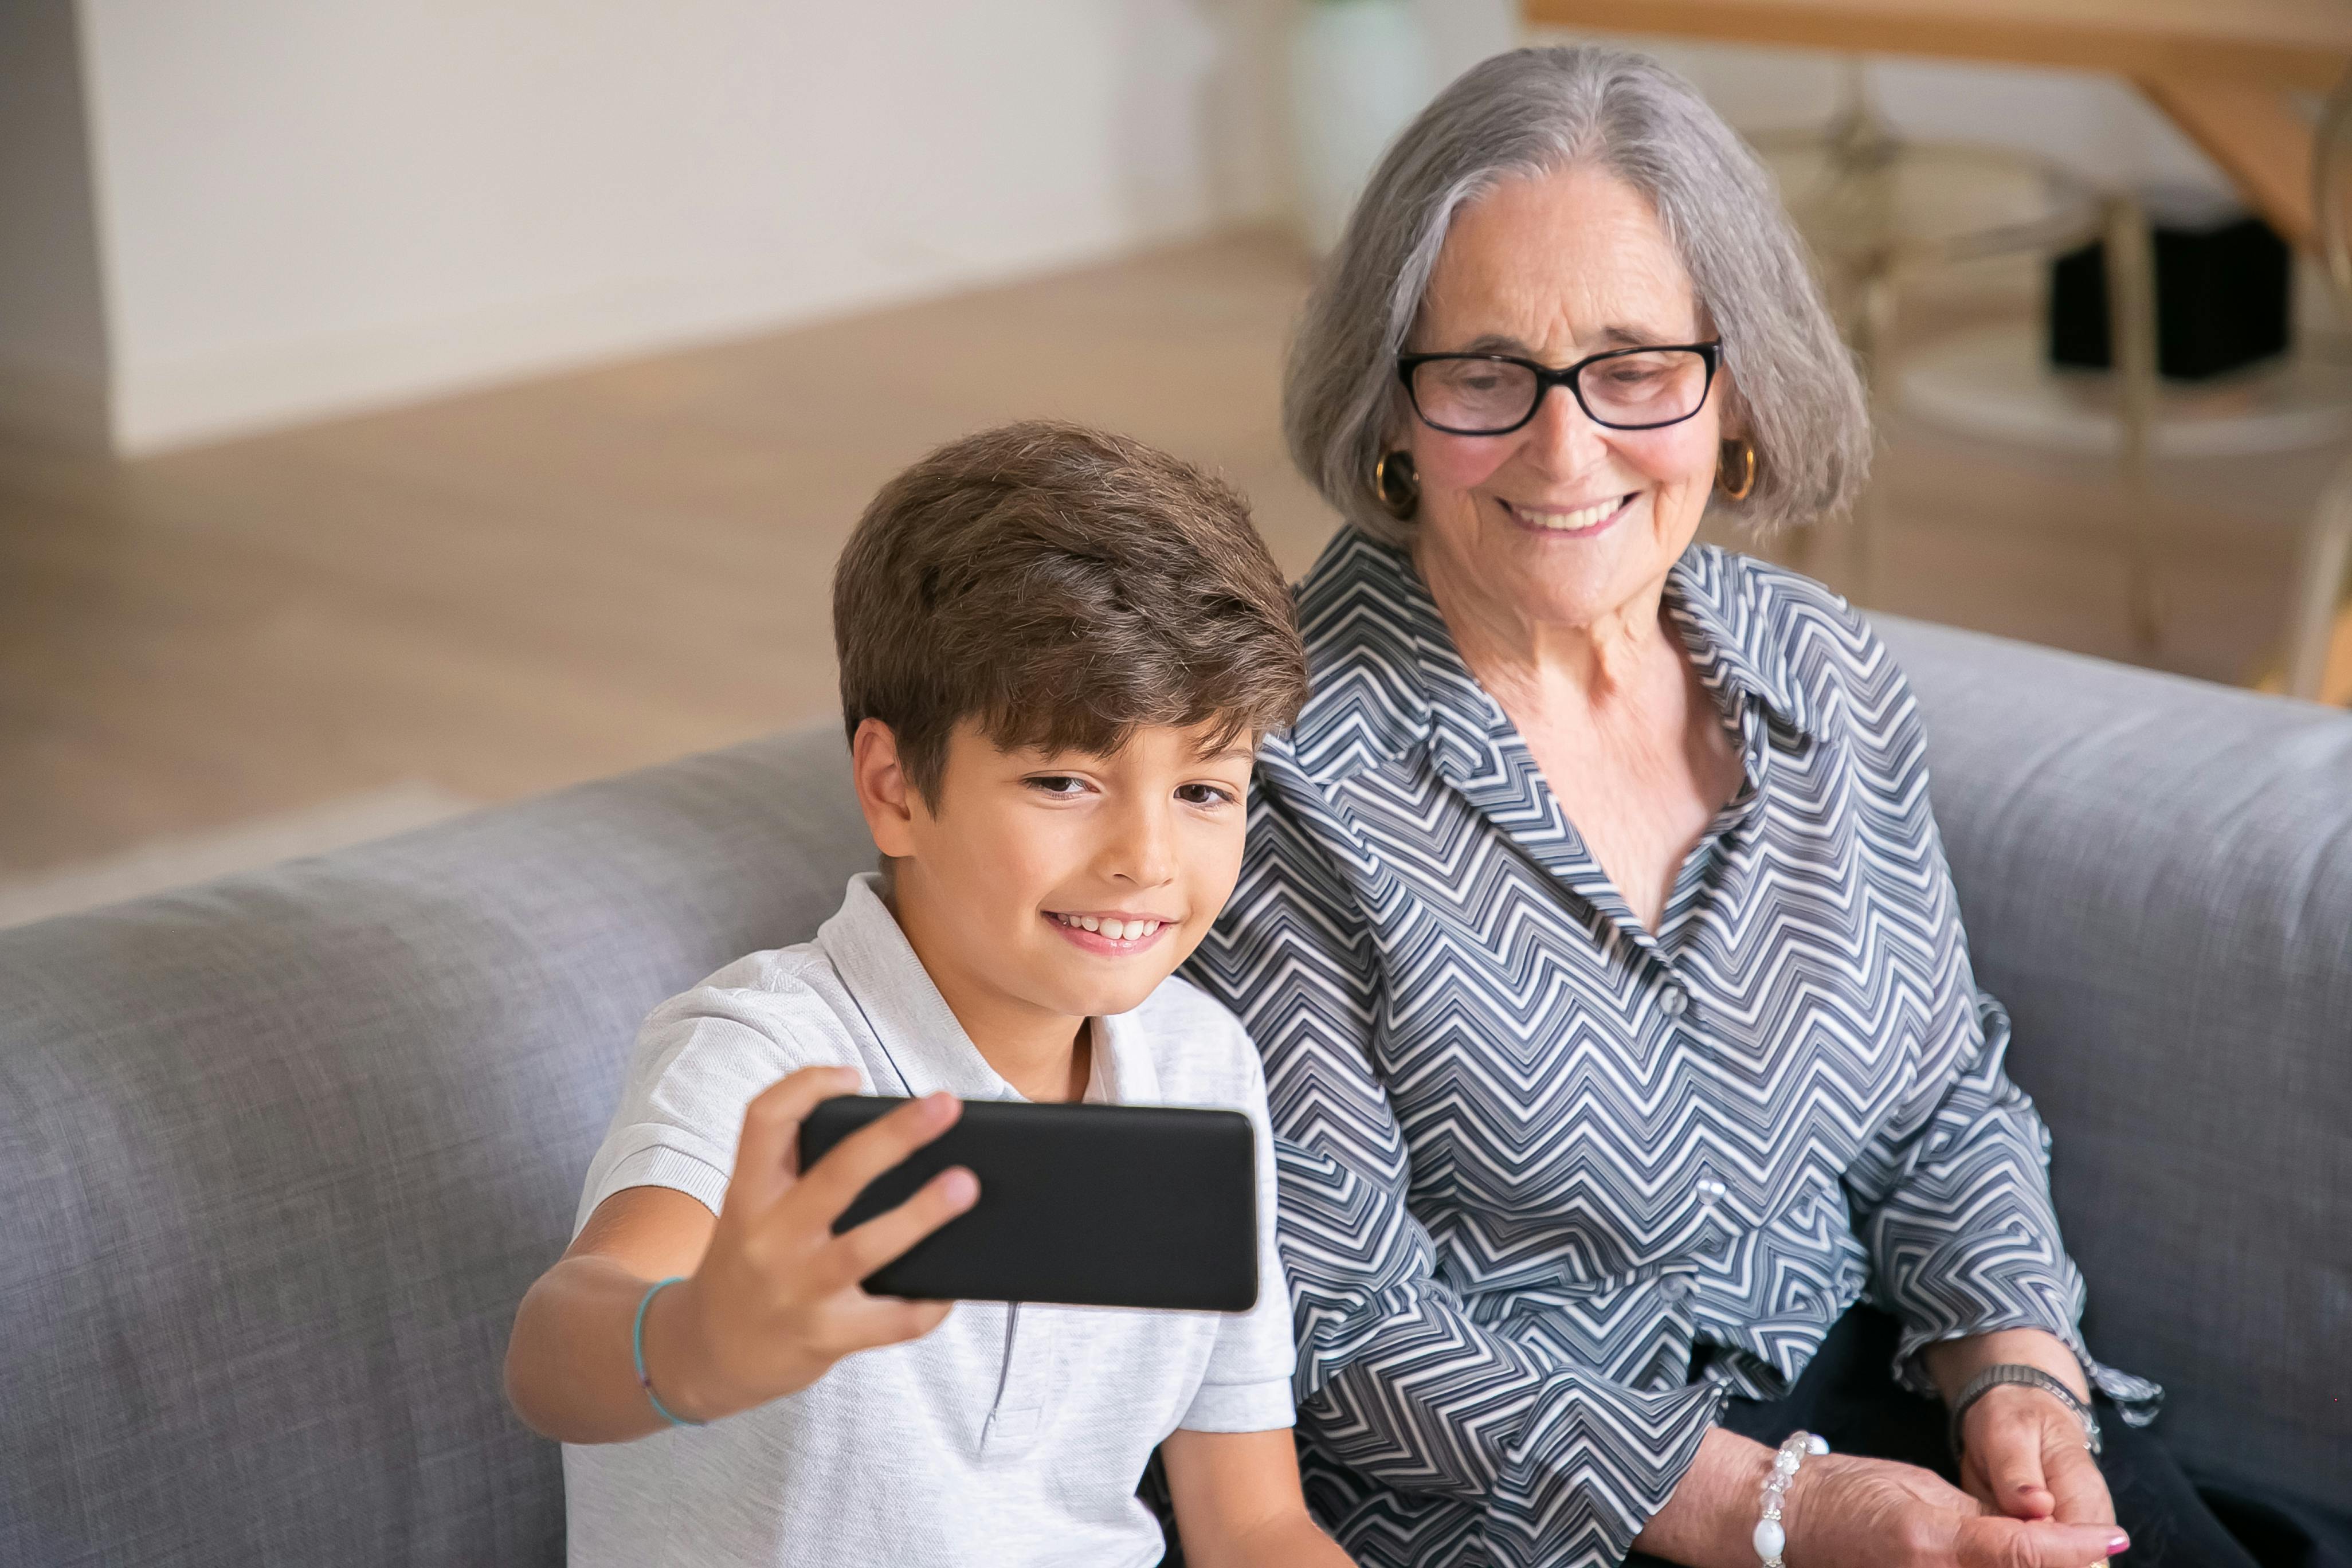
(1060, 586)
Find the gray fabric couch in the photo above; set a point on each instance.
(278, 1155)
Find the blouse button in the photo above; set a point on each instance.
(1675, 1002)
(1673, 1287)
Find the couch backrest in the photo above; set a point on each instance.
(280, 1154)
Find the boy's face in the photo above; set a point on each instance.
(1066, 884)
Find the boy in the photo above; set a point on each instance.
(1057, 650)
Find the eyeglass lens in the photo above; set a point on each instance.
(1657, 386)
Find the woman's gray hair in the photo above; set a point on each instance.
(1532, 112)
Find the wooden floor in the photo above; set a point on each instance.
(496, 594)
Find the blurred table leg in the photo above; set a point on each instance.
(2319, 586)
(2131, 334)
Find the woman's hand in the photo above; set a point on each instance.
(775, 1301)
(2021, 1451)
(2022, 1454)
(1848, 1512)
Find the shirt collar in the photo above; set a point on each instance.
(1731, 640)
(918, 1032)
(1124, 1070)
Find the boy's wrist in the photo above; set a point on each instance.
(676, 1358)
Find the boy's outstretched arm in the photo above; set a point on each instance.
(770, 1297)
(1238, 1504)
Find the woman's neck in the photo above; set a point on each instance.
(1543, 666)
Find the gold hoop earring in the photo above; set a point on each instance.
(1738, 455)
(1397, 485)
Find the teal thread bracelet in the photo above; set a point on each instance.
(637, 1341)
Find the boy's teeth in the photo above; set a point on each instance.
(1117, 929)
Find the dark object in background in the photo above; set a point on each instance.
(2222, 286)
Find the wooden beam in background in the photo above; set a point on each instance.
(2255, 134)
(2301, 44)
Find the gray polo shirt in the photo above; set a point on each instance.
(1011, 1435)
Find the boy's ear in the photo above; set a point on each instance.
(884, 794)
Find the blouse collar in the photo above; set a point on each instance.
(1368, 617)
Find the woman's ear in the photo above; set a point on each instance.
(1731, 409)
(883, 792)
(1397, 430)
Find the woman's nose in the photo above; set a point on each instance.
(1561, 437)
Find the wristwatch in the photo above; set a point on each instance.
(1992, 1377)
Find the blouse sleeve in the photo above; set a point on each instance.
(1952, 1198)
(1394, 1378)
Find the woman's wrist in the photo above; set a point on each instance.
(1710, 1520)
(1770, 1538)
(1952, 1363)
(1748, 1508)
(1797, 1515)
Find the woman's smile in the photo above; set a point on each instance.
(1571, 522)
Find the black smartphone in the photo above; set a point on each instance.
(1087, 1205)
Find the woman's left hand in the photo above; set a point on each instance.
(2022, 1453)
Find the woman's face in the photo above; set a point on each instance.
(1563, 521)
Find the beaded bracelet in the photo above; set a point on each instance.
(637, 1339)
(1770, 1539)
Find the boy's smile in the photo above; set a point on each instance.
(1115, 933)
(1044, 888)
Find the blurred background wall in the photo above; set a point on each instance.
(306, 209)
(409, 405)
(226, 218)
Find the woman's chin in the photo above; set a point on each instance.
(1579, 583)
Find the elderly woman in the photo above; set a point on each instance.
(1613, 996)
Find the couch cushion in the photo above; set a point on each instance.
(282, 1153)
(2156, 877)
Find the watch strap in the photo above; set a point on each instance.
(1994, 1377)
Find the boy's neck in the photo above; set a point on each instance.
(1044, 1055)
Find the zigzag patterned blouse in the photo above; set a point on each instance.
(1554, 1187)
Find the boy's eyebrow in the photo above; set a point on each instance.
(1246, 753)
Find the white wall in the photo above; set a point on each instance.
(53, 366)
(318, 207)
(280, 209)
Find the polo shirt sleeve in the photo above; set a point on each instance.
(698, 1062)
(1247, 1385)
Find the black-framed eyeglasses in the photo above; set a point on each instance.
(1494, 395)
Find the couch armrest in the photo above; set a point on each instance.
(2156, 878)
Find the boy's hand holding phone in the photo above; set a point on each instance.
(775, 1301)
